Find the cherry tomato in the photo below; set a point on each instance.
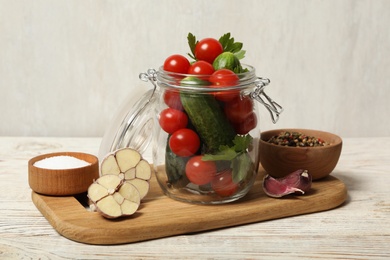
(201, 67)
(208, 49)
(172, 120)
(200, 172)
(223, 184)
(176, 63)
(172, 99)
(248, 124)
(224, 78)
(238, 109)
(184, 142)
(226, 95)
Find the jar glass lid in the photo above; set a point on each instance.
(132, 126)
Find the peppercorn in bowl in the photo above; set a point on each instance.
(283, 151)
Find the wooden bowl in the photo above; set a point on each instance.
(63, 182)
(278, 160)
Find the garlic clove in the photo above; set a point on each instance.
(297, 182)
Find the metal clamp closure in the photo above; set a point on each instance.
(149, 75)
(273, 108)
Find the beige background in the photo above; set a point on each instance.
(65, 66)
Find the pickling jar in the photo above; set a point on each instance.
(204, 137)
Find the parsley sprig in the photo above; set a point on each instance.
(230, 45)
(192, 41)
(241, 163)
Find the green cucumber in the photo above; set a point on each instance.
(192, 81)
(175, 168)
(209, 120)
(227, 60)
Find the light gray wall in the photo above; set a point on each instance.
(65, 66)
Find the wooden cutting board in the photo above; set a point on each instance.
(160, 216)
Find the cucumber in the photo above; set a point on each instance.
(175, 168)
(193, 81)
(209, 120)
(227, 60)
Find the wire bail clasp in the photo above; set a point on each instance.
(273, 108)
(149, 75)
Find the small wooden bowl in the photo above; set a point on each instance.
(278, 161)
(63, 182)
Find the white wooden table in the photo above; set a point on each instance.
(359, 229)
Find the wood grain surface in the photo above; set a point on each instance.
(160, 216)
(357, 229)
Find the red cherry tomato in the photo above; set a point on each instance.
(201, 68)
(176, 63)
(172, 99)
(224, 78)
(226, 95)
(248, 124)
(200, 172)
(238, 109)
(208, 49)
(172, 120)
(223, 184)
(184, 142)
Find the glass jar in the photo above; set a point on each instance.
(205, 136)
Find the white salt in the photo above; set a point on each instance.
(61, 162)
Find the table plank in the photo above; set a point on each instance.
(360, 229)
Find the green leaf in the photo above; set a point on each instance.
(240, 54)
(235, 46)
(241, 166)
(241, 143)
(192, 43)
(241, 163)
(240, 69)
(229, 45)
(226, 153)
(224, 40)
